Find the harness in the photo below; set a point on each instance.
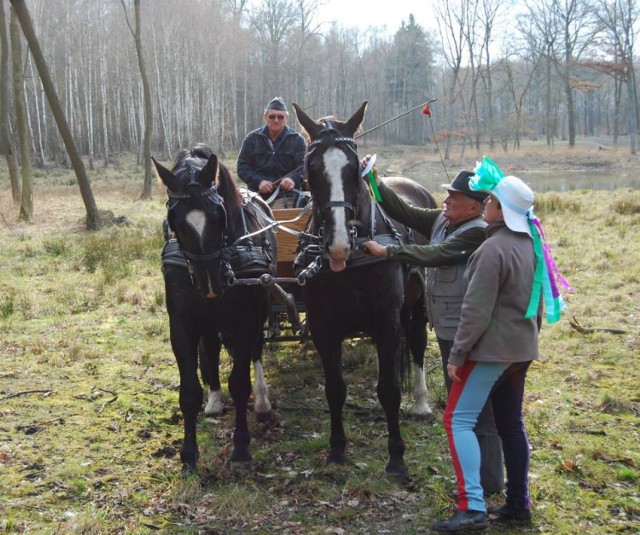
(241, 258)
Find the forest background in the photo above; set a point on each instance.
(556, 70)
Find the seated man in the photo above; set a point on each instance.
(271, 158)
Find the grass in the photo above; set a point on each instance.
(90, 424)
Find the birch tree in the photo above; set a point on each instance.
(148, 105)
(6, 146)
(26, 172)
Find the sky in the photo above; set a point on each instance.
(369, 13)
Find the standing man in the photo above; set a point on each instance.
(271, 158)
(454, 233)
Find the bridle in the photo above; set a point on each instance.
(331, 136)
(194, 190)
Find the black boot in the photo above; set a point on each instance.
(463, 520)
(507, 512)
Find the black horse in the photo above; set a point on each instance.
(347, 292)
(223, 235)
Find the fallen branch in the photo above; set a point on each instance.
(27, 392)
(109, 401)
(589, 330)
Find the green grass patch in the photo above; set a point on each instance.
(92, 428)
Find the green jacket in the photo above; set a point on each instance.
(445, 257)
(422, 220)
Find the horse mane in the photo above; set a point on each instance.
(229, 191)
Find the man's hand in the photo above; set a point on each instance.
(287, 184)
(452, 372)
(374, 169)
(373, 248)
(266, 187)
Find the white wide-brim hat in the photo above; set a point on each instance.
(516, 199)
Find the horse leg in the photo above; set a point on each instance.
(335, 389)
(418, 345)
(240, 389)
(184, 337)
(414, 321)
(209, 351)
(190, 397)
(262, 404)
(389, 394)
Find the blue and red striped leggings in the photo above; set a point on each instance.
(504, 384)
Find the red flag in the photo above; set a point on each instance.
(426, 110)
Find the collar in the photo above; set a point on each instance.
(494, 227)
(451, 228)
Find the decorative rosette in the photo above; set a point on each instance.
(487, 175)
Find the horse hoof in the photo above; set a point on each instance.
(189, 462)
(426, 417)
(397, 470)
(264, 417)
(214, 406)
(398, 476)
(240, 467)
(189, 471)
(336, 458)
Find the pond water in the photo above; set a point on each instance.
(541, 181)
(575, 180)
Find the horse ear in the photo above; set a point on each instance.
(167, 177)
(312, 127)
(356, 119)
(209, 173)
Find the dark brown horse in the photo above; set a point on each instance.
(347, 292)
(219, 238)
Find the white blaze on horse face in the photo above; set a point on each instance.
(197, 220)
(334, 161)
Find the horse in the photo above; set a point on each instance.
(216, 233)
(345, 291)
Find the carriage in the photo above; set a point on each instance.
(284, 323)
(238, 296)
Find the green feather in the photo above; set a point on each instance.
(487, 175)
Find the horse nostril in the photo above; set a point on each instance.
(339, 252)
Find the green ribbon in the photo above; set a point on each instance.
(374, 187)
(538, 275)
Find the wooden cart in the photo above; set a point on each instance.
(280, 326)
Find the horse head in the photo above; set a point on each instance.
(197, 214)
(332, 169)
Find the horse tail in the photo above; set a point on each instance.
(404, 368)
(205, 364)
(413, 318)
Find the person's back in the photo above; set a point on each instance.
(271, 158)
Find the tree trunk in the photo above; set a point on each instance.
(633, 108)
(26, 197)
(93, 216)
(6, 146)
(148, 105)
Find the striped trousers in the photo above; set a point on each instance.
(503, 383)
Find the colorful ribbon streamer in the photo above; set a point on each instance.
(545, 280)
